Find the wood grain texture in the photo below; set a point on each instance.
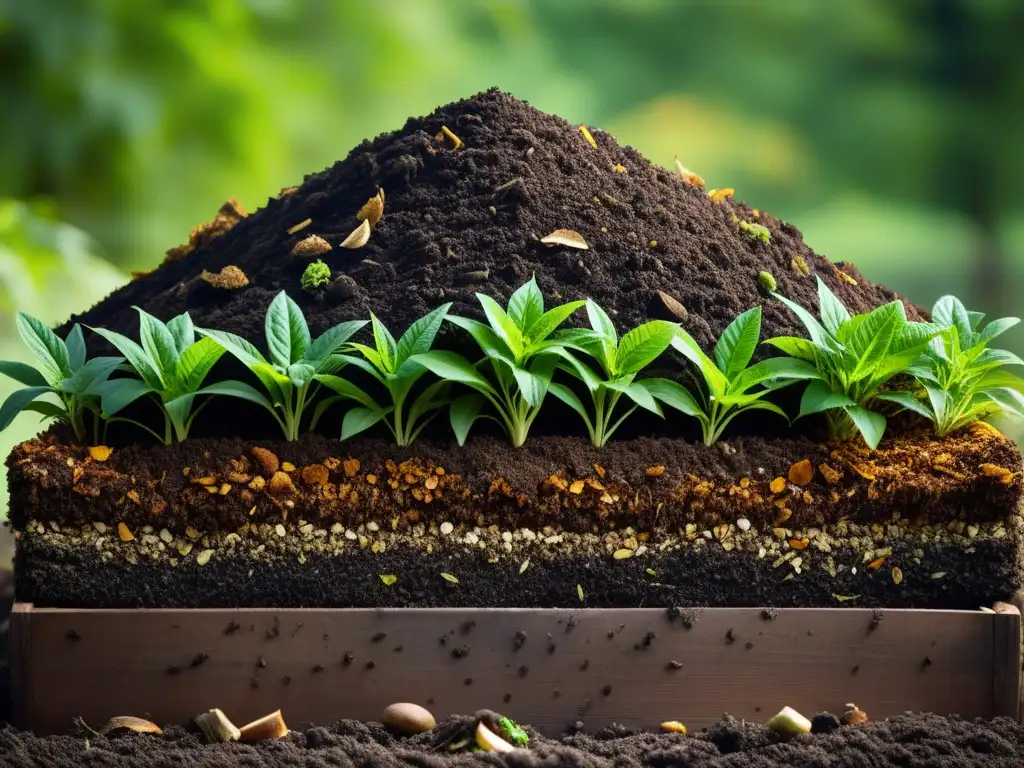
(600, 666)
(1006, 653)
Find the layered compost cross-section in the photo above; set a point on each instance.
(476, 200)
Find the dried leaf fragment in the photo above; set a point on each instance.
(271, 726)
(576, 486)
(587, 135)
(100, 452)
(310, 247)
(844, 598)
(300, 226)
(798, 543)
(136, 724)
(897, 575)
(359, 236)
(230, 278)
(657, 471)
(124, 532)
(579, 591)
(721, 195)
(622, 554)
(388, 578)
(778, 485)
(373, 210)
(567, 238)
(216, 727)
(687, 175)
(874, 565)
(853, 715)
(446, 133)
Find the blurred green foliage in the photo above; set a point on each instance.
(888, 132)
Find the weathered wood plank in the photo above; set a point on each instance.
(597, 665)
(1006, 670)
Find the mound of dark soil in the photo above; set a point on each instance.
(457, 221)
(908, 741)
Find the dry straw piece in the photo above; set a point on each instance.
(216, 727)
(312, 246)
(271, 726)
(136, 724)
(373, 210)
(360, 236)
(300, 226)
(566, 237)
(587, 135)
(446, 133)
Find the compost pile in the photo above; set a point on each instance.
(906, 740)
(461, 220)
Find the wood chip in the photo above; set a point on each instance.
(372, 211)
(300, 226)
(801, 473)
(673, 306)
(587, 135)
(778, 485)
(351, 467)
(270, 727)
(567, 238)
(657, 471)
(359, 236)
(230, 278)
(100, 452)
(310, 247)
(576, 486)
(136, 724)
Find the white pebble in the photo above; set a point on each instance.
(446, 528)
(350, 535)
(743, 524)
(372, 527)
(280, 531)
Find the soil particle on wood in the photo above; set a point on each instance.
(480, 210)
(904, 740)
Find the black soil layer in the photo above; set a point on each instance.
(565, 482)
(947, 576)
(458, 221)
(907, 741)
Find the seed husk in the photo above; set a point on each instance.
(579, 591)
(567, 238)
(136, 724)
(449, 577)
(388, 578)
(372, 211)
(673, 726)
(673, 306)
(897, 575)
(359, 236)
(300, 226)
(124, 532)
(853, 715)
(271, 726)
(788, 723)
(622, 554)
(525, 565)
(216, 727)
(489, 741)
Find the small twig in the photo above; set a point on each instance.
(84, 729)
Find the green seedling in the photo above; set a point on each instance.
(389, 363)
(289, 377)
(520, 353)
(62, 371)
(315, 276)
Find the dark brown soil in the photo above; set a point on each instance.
(565, 482)
(907, 741)
(75, 577)
(449, 213)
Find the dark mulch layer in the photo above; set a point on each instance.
(452, 214)
(76, 578)
(973, 475)
(907, 741)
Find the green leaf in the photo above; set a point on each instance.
(433, 397)
(75, 345)
(642, 345)
(533, 383)
(802, 349)
(453, 367)
(777, 371)
(286, 331)
(569, 397)
(329, 342)
(526, 305)
(1009, 400)
(716, 380)
(488, 341)
(550, 320)
(159, 346)
(90, 375)
(136, 357)
(195, 363)
(737, 343)
(940, 401)
(642, 396)
(182, 331)
(819, 397)
(48, 349)
(419, 337)
(300, 374)
(870, 424)
(463, 412)
(359, 420)
(47, 410)
(908, 401)
(872, 340)
(600, 321)
(821, 337)
(240, 390)
(588, 341)
(763, 405)
(673, 395)
(179, 409)
(997, 328)
(117, 394)
(22, 373)
(579, 369)
(385, 343)
(833, 314)
(949, 311)
(503, 326)
(17, 401)
(348, 390)
(236, 346)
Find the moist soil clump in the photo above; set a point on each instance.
(917, 741)
(458, 220)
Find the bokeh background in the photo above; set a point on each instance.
(890, 132)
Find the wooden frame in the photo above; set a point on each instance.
(632, 666)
